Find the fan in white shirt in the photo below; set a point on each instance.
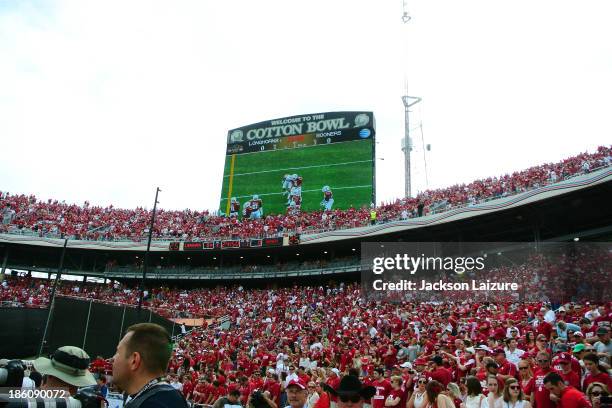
(291, 376)
(513, 354)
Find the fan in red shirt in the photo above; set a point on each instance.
(492, 370)
(200, 391)
(595, 372)
(574, 363)
(227, 365)
(219, 390)
(323, 401)
(390, 357)
(438, 372)
(540, 396)
(464, 363)
(274, 388)
(499, 332)
(587, 328)
(333, 381)
(543, 326)
(541, 345)
(569, 376)
(232, 384)
(506, 369)
(98, 365)
(396, 395)
(383, 388)
(265, 358)
(188, 387)
(568, 396)
(346, 358)
(244, 389)
(304, 378)
(408, 381)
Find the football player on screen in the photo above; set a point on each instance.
(246, 210)
(296, 204)
(297, 184)
(255, 208)
(295, 189)
(328, 198)
(234, 207)
(286, 184)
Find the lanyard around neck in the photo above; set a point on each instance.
(148, 385)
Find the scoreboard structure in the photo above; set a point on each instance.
(320, 161)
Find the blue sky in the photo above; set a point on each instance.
(104, 101)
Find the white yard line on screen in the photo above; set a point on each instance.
(303, 191)
(300, 168)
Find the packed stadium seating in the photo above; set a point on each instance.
(545, 275)
(320, 328)
(26, 214)
(326, 327)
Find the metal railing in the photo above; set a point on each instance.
(10, 303)
(205, 273)
(162, 311)
(195, 274)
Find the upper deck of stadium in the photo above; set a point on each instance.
(28, 220)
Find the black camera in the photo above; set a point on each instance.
(11, 375)
(258, 400)
(256, 395)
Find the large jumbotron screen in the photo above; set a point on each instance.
(300, 163)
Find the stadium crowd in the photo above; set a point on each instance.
(316, 335)
(26, 214)
(548, 274)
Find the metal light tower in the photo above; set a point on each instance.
(58, 276)
(146, 257)
(406, 142)
(408, 102)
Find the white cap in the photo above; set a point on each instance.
(406, 365)
(335, 370)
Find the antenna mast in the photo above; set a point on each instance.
(408, 102)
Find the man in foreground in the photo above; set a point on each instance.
(139, 365)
